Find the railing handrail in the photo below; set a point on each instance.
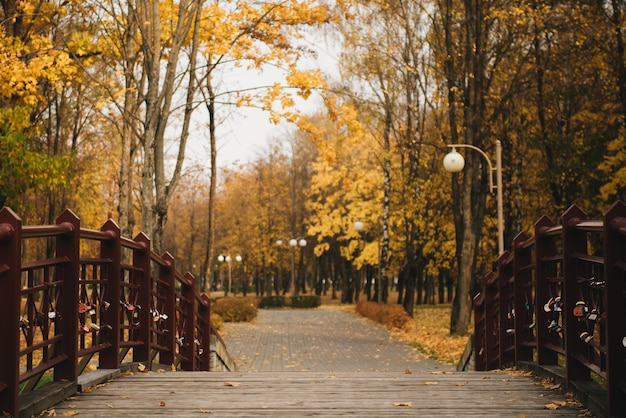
(569, 282)
(126, 299)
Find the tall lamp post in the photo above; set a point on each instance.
(293, 243)
(228, 259)
(454, 162)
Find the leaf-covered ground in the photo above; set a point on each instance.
(429, 332)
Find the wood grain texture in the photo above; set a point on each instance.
(301, 394)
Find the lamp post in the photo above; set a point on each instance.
(293, 243)
(454, 162)
(228, 259)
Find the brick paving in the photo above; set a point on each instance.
(320, 340)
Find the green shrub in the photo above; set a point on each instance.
(235, 309)
(391, 316)
(306, 301)
(272, 302)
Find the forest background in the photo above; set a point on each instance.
(98, 101)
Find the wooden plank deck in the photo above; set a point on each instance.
(320, 394)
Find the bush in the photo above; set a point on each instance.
(217, 321)
(235, 309)
(306, 301)
(272, 302)
(391, 316)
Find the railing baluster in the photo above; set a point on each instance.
(615, 278)
(141, 262)
(68, 245)
(10, 274)
(574, 242)
(110, 250)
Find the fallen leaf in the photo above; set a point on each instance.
(70, 413)
(141, 367)
(462, 383)
(162, 403)
(430, 383)
(204, 411)
(402, 404)
(233, 384)
(552, 406)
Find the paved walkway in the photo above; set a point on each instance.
(320, 340)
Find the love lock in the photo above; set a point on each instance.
(593, 315)
(548, 306)
(127, 306)
(180, 340)
(24, 323)
(82, 308)
(554, 327)
(586, 337)
(556, 307)
(94, 327)
(163, 316)
(92, 311)
(580, 310)
(156, 316)
(52, 315)
(510, 331)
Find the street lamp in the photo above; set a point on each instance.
(454, 162)
(228, 259)
(293, 243)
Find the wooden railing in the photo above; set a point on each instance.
(95, 301)
(559, 301)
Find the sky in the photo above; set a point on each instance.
(246, 134)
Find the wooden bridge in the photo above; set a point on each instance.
(87, 299)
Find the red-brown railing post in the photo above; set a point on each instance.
(168, 276)
(506, 309)
(111, 249)
(188, 345)
(142, 275)
(10, 282)
(68, 245)
(615, 282)
(205, 343)
(545, 248)
(574, 242)
(492, 326)
(524, 303)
